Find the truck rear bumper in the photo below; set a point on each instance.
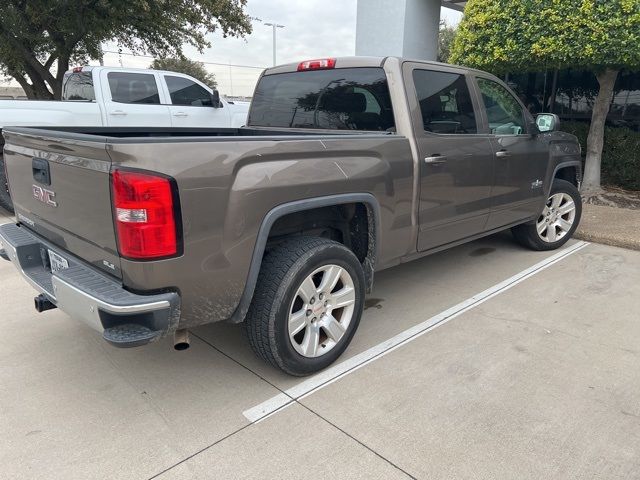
(125, 319)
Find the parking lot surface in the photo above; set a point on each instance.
(529, 375)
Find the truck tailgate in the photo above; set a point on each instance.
(61, 191)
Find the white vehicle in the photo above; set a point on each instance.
(127, 97)
(123, 97)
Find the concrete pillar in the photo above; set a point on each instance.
(403, 28)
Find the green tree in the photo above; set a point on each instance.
(445, 41)
(188, 67)
(40, 39)
(601, 36)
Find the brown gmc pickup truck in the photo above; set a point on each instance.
(347, 166)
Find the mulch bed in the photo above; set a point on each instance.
(615, 197)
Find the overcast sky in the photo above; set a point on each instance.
(313, 28)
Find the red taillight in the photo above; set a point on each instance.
(319, 64)
(77, 69)
(145, 217)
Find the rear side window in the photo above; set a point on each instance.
(336, 99)
(445, 102)
(138, 88)
(186, 92)
(78, 86)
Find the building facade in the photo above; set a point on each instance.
(401, 28)
(12, 93)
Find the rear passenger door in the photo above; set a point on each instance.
(522, 158)
(191, 104)
(456, 161)
(133, 99)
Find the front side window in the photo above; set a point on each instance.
(505, 115)
(188, 93)
(445, 102)
(139, 88)
(335, 99)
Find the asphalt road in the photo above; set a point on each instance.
(532, 372)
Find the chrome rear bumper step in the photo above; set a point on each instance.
(130, 335)
(83, 292)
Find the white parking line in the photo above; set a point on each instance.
(331, 374)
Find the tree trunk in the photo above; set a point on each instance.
(595, 141)
(554, 90)
(26, 86)
(37, 85)
(63, 66)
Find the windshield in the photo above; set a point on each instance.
(336, 99)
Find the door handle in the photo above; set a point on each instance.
(118, 112)
(180, 114)
(41, 171)
(502, 154)
(435, 159)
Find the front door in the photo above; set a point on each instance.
(191, 105)
(522, 157)
(456, 161)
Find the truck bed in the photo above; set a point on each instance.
(49, 113)
(227, 181)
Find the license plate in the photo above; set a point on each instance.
(57, 262)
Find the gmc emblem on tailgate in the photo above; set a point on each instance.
(45, 196)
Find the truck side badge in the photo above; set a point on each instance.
(108, 264)
(536, 184)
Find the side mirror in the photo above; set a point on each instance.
(215, 99)
(547, 122)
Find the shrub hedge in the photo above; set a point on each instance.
(620, 155)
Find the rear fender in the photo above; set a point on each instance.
(373, 209)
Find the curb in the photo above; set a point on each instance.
(614, 226)
(606, 240)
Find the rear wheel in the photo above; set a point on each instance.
(307, 304)
(557, 222)
(5, 198)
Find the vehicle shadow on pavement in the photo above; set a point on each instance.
(403, 296)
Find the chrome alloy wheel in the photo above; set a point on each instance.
(321, 311)
(557, 218)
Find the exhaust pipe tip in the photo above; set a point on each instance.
(181, 340)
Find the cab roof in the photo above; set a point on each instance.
(354, 62)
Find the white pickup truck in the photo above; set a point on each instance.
(123, 97)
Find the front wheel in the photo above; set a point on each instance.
(307, 304)
(557, 222)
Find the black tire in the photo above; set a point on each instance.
(5, 198)
(283, 271)
(527, 234)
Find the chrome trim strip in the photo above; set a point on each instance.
(61, 158)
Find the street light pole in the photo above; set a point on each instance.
(274, 26)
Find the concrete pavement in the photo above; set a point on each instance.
(540, 381)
